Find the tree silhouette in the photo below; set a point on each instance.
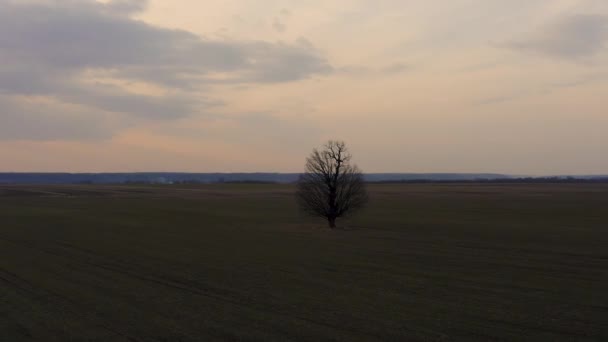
(331, 187)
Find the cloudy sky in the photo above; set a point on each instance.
(518, 86)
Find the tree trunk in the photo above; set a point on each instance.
(332, 222)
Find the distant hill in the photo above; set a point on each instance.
(175, 177)
(404, 177)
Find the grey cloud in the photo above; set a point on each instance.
(127, 6)
(278, 25)
(278, 66)
(114, 99)
(76, 37)
(101, 96)
(362, 71)
(24, 119)
(572, 37)
(48, 47)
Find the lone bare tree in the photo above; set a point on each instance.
(331, 187)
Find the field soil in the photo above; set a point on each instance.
(424, 262)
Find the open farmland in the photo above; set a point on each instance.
(239, 262)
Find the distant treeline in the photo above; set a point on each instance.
(194, 181)
(537, 180)
(144, 178)
(270, 178)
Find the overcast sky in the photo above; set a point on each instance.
(517, 86)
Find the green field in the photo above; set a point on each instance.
(239, 262)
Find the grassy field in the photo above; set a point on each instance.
(238, 262)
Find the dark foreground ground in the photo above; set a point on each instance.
(237, 262)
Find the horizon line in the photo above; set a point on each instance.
(292, 173)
